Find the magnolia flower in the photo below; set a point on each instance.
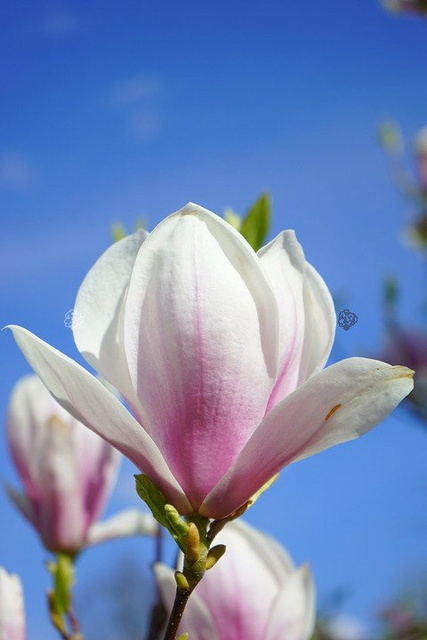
(12, 614)
(218, 351)
(410, 347)
(67, 472)
(420, 147)
(255, 592)
(411, 6)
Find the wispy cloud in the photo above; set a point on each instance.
(16, 171)
(135, 90)
(60, 22)
(145, 125)
(137, 98)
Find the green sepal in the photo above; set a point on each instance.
(153, 498)
(183, 636)
(255, 224)
(165, 514)
(63, 579)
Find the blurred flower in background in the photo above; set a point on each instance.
(12, 614)
(412, 6)
(66, 470)
(254, 592)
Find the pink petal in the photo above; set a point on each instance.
(201, 336)
(338, 404)
(241, 588)
(90, 402)
(59, 516)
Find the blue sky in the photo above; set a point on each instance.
(112, 111)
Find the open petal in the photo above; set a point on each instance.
(201, 337)
(90, 402)
(338, 404)
(293, 614)
(284, 261)
(131, 522)
(98, 312)
(306, 311)
(319, 326)
(196, 620)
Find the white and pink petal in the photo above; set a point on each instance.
(90, 402)
(201, 338)
(338, 404)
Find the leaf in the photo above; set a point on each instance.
(255, 224)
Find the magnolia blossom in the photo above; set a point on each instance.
(12, 614)
(420, 145)
(218, 352)
(410, 347)
(410, 6)
(67, 472)
(254, 592)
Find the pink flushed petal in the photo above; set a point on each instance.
(98, 467)
(201, 331)
(338, 404)
(58, 513)
(320, 324)
(284, 262)
(90, 402)
(238, 607)
(98, 329)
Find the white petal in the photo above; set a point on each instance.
(338, 404)
(131, 522)
(320, 323)
(88, 400)
(12, 614)
(98, 309)
(284, 261)
(293, 615)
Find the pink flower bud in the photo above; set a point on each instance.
(67, 471)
